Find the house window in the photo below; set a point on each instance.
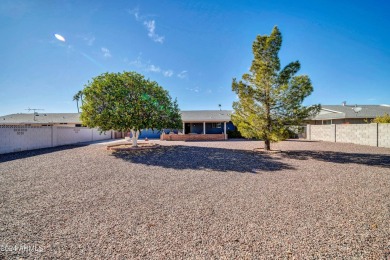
(216, 125)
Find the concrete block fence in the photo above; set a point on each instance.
(15, 138)
(364, 134)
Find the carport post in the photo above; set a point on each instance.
(224, 130)
(184, 128)
(204, 128)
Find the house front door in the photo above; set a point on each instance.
(187, 128)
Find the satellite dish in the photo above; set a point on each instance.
(357, 109)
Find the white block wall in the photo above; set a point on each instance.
(384, 135)
(323, 132)
(22, 138)
(365, 134)
(96, 135)
(71, 135)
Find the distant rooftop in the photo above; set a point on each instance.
(347, 111)
(41, 118)
(206, 115)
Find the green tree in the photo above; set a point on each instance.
(385, 119)
(270, 99)
(128, 102)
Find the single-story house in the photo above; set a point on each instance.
(203, 125)
(348, 114)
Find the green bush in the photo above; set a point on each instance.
(234, 134)
(385, 119)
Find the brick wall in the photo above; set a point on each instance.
(21, 138)
(364, 134)
(189, 137)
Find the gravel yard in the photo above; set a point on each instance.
(197, 200)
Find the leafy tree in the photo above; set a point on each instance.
(385, 119)
(128, 102)
(270, 98)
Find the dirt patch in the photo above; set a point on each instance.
(129, 147)
(262, 150)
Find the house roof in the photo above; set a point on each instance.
(56, 118)
(341, 112)
(206, 115)
(41, 118)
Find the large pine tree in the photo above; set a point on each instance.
(270, 99)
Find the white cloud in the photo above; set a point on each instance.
(151, 27)
(90, 40)
(149, 24)
(153, 68)
(135, 12)
(183, 74)
(148, 67)
(106, 52)
(195, 89)
(168, 73)
(137, 62)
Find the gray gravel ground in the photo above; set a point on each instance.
(197, 200)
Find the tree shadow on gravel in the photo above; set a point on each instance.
(204, 158)
(25, 154)
(381, 160)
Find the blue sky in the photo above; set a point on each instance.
(191, 48)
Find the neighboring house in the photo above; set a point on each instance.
(348, 114)
(22, 132)
(211, 124)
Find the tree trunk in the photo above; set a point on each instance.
(267, 145)
(77, 102)
(134, 137)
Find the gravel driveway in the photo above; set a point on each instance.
(197, 200)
